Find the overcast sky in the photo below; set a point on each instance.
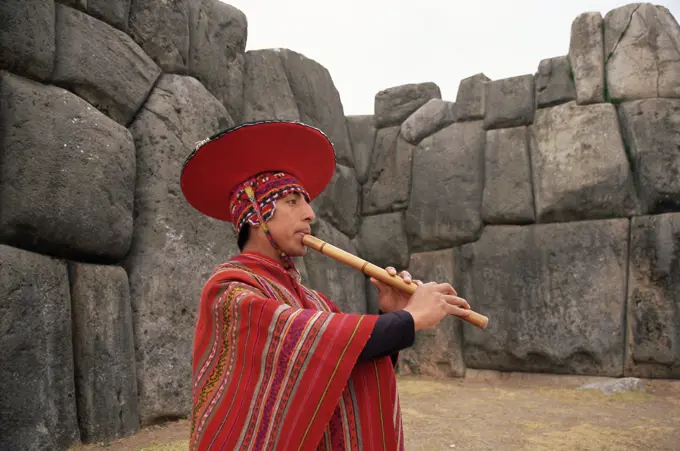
(370, 45)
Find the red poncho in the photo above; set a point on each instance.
(275, 367)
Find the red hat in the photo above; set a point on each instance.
(221, 163)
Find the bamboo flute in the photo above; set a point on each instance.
(377, 273)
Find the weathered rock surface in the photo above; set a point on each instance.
(642, 52)
(436, 352)
(102, 65)
(509, 102)
(161, 28)
(67, 175)
(113, 12)
(104, 353)
(554, 82)
(654, 297)
(446, 193)
(428, 119)
(362, 135)
(580, 168)
(218, 34)
(27, 37)
(508, 196)
(387, 187)
(382, 240)
(37, 393)
(339, 202)
(586, 55)
(175, 248)
(318, 101)
(342, 284)
(266, 91)
(394, 105)
(470, 104)
(556, 295)
(651, 129)
(622, 385)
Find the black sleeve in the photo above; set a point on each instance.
(392, 332)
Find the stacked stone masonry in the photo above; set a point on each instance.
(551, 201)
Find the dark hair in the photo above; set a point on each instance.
(243, 236)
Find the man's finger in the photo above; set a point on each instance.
(418, 282)
(445, 288)
(457, 311)
(455, 300)
(391, 271)
(406, 276)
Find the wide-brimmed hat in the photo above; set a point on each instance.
(225, 160)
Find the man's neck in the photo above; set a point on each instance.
(265, 249)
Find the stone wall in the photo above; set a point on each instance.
(546, 199)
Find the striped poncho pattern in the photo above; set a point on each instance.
(275, 368)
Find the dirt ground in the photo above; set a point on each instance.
(512, 411)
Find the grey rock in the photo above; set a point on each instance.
(339, 202)
(642, 52)
(266, 91)
(102, 65)
(651, 131)
(37, 392)
(446, 194)
(470, 98)
(437, 352)
(579, 164)
(68, 174)
(387, 187)
(654, 297)
(382, 240)
(318, 101)
(104, 352)
(113, 12)
(218, 34)
(622, 385)
(161, 28)
(428, 119)
(342, 284)
(27, 37)
(555, 295)
(372, 301)
(508, 196)
(175, 248)
(509, 102)
(554, 82)
(362, 135)
(393, 105)
(586, 55)
(80, 5)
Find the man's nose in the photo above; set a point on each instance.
(309, 213)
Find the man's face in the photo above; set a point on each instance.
(290, 222)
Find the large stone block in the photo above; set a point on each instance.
(642, 52)
(579, 164)
(67, 175)
(161, 28)
(266, 92)
(654, 297)
(382, 240)
(362, 134)
(318, 101)
(437, 352)
(102, 65)
(554, 294)
(387, 187)
(104, 352)
(175, 248)
(445, 203)
(27, 37)
(508, 194)
(218, 34)
(586, 55)
(554, 82)
(651, 130)
(509, 102)
(342, 284)
(37, 393)
(394, 105)
(113, 12)
(339, 202)
(470, 98)
(428, 119)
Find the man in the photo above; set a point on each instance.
(276, 365)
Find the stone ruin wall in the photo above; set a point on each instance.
(550, 200)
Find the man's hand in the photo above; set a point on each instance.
(390, 299)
